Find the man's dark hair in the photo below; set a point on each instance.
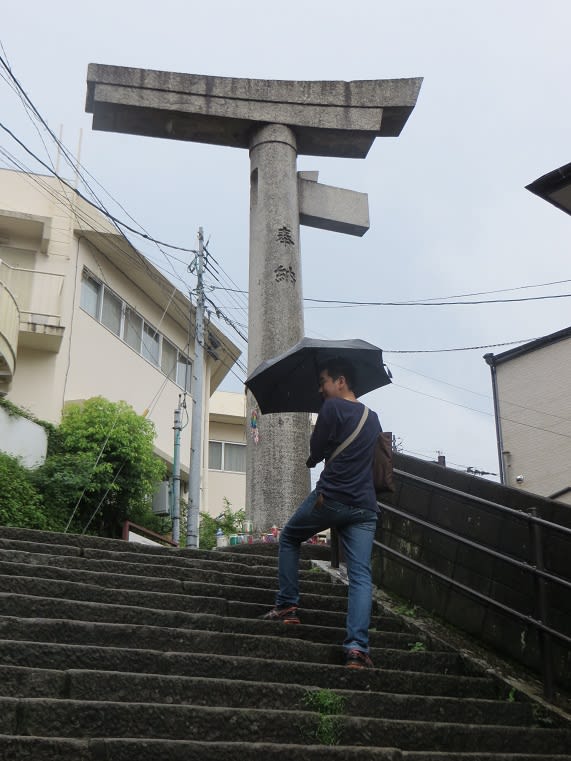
(336, 367)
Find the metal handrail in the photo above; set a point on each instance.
(487, 503)
(482, 547)
(479, 595)
(545, 633)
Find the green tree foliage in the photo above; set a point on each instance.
(105, 456)
(20, 504)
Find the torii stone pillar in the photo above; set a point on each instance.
(276, 120)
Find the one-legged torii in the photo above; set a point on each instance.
(276, 120)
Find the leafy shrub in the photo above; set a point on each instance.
(230, 522)
(20, 503)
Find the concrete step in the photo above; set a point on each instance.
(386, 678)
(111, 651)
(112, 686)
(170, 558)
(251, 555)
(245, 555)
(70, 718)
(316, 583)
(151, 585)
(281, 644)
(234, 620)
(92, 593)
(63, 749)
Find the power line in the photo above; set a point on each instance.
(479, 393)
(338, 302)
(227, 320)
(423, 302)
(457, 348)
(483, 412)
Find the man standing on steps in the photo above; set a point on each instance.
(344, 498)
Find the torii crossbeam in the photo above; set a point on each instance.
(276, 120)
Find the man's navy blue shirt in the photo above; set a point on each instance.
(349, 477)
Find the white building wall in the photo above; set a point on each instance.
(22, 438)
(534, 392)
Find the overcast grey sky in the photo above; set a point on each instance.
(449, 212)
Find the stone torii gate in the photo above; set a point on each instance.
(276, 120)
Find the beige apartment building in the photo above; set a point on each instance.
(83, 314)
(532, 401)
(227, 439)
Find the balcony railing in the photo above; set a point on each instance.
(9, 327)
(36, 293)
(38, 297)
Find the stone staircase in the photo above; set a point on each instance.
(112, 651)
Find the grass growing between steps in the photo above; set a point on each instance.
(328, 705)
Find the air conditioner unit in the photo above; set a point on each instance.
(161, 499)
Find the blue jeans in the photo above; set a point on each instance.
(356, 529)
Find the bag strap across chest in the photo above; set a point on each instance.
(352, 436)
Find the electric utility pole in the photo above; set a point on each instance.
(197, 394)
(175, 492)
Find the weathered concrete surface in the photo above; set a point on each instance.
(77, 684)
(277, 477)
(330, 208)
(329, 118)
(326, 676)
(101, 719)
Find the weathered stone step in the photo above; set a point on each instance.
(61, 718)
(166, 662)
(280, 645)
(149, 585)
(169, 558)
(118, 545)
(316, 583)
(70, 590)
(233, 620)
(62, 749)
(256, 554)
(112, 686)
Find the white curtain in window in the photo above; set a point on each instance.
(133, 329)
(90, 293)
(168, 359)
(111, 312)
(150, 344)
(235, 457)
(215, 455)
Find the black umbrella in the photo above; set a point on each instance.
(289, 382)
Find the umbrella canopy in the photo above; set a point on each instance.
(289, 382)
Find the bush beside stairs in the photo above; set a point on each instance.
(111, 651)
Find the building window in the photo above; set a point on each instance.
(111, 311)
(183, 372)
(90, 295)
(151, 344)
(169, 359)
(215, 455)
(223, 455)
(133, 329)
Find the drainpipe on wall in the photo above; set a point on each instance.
(499, 440)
